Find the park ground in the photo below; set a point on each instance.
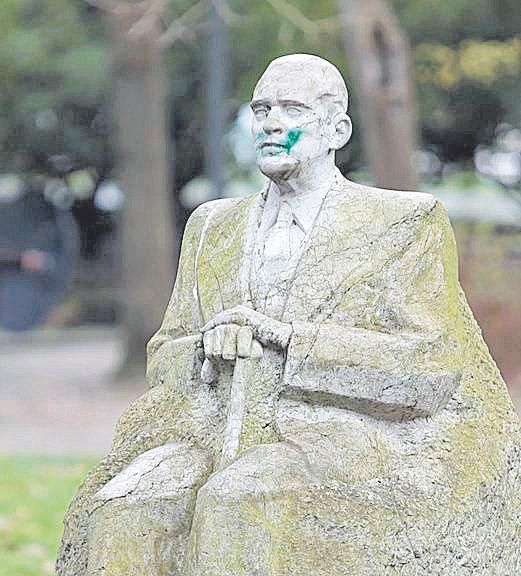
(60, 398)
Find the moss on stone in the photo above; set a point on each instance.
(220, 259)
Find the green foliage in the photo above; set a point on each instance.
(34, 494)
(466, 91)
(53, 64)
(452, 22)
(473, 61)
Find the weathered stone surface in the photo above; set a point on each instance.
(140, 520)
(359, 427)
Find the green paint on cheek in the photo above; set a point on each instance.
(259, 139)
(291, 139)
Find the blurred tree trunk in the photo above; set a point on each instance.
(217, 58)
(140, 108)
(379, 55)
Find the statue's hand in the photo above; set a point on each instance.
(227, 342)
(230, 341)
(239, 332)
(264, 329)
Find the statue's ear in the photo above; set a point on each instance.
(342, 130)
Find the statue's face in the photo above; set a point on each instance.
(290, 125)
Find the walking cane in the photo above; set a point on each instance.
(236, 410)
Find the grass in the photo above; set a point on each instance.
(34, 495)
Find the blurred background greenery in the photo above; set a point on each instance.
(123, 116)
(34, 493)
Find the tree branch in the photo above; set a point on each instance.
(329, 24)
(295, 16)
(180, 26)
(105, 5)
(227, 15)
(154, 9)
(118, 6)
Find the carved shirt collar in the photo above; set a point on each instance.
(304, 207)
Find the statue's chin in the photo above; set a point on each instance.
(278, 167)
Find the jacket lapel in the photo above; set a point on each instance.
(322, 264)
(356, 238)
(224, 255)
(339, 257)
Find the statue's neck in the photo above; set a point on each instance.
(315, 179)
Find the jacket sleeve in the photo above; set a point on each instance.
(408, 371)
(172, 351)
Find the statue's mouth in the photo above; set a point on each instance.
(273, 148)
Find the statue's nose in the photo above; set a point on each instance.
(273, 123)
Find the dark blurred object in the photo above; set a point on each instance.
(39, 248)
(99, 268)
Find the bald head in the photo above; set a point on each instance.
(312, 77)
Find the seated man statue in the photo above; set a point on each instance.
(322, 402)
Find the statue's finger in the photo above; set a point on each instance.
(208, 343)
(244, 341)
(256, 349)
(208, 372)
(219, 333)
(229, 351)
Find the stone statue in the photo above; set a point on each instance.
(321, 402)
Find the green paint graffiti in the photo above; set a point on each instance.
(259, 139)
(292, 137)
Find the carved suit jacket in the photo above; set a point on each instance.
(373, 304)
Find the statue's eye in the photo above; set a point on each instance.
(293, 111)
(260, 113)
